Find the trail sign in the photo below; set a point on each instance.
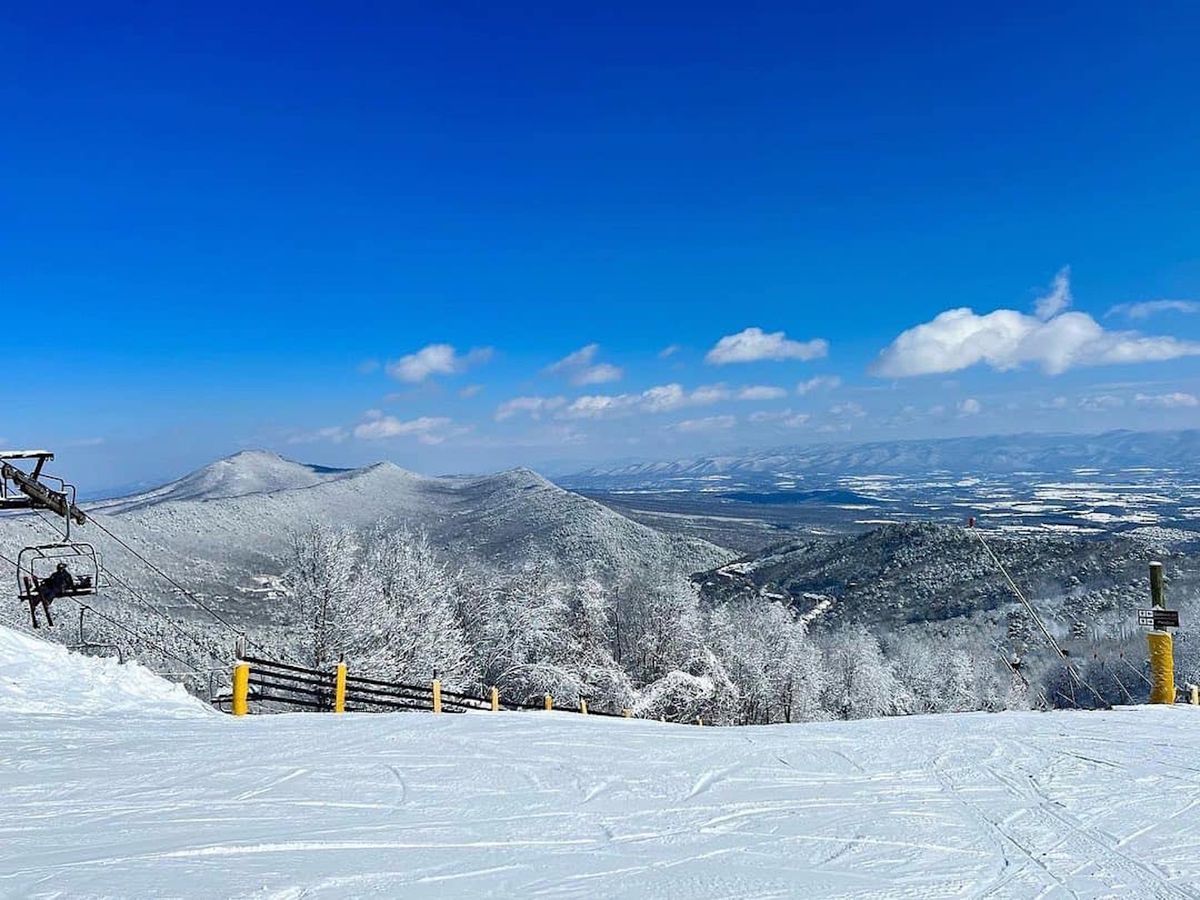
(1158, 618)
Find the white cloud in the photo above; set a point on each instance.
(669, 351)
(755, 345)
(710, 423)
(658, 399)
(580, 367)
(1148, 308)
(787, 418)
(1006, 339)
(1058, 299)
(1059, 402)
(427, 429)
(436, 359)
(334, 433)
(820, 382)
(1175, 400)
(970, 407)
(533, 406)
(1101, 403)
(848, 410)
(471, 390)
(762, 392)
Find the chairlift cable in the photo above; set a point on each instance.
(1070, 666)
(138, 598)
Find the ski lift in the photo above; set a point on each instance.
(94, 648)
(64, 569)
(50, 571)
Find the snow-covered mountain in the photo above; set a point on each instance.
(225, 529)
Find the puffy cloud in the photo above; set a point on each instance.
(436, 359)
(710, 423)
(1175, 400)
(580, 367)
(819, 383)
(1006, 339)
(970, 407)
(658, 399)
(1148, 308)
(755, 345)
(762, 392)
(1058, 299)
(533, 406)
(427, 429)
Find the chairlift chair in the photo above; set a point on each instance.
(36, 565)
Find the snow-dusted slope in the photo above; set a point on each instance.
(46, 679)
(554, 805)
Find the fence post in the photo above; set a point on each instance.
(339, 689)
(628, 713)
(241, 688)
(583, 705)
(699, 721)
(495, 700)
(549, 702)
(1194, 695)
(1162, 651)
(437, 695)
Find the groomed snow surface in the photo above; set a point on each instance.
(153, 795)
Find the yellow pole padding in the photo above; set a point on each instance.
(495, 700)
(437, 695)
(583, 706)
(339, 689)
(241, 689)
(549, 702)
(1162, 667)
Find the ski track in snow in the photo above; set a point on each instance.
(1055, 805)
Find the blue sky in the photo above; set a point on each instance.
(227, 227)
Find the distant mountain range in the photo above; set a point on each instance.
(789, 468)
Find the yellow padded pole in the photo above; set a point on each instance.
(241, 689)
(339, 689)
(495, 700)
(1162, 667)
(437, 695)
(583, 706)
(549, 702)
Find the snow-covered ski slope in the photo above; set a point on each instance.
(170, 800)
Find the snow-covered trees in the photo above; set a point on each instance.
(319, 580)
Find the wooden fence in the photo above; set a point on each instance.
(264, 681)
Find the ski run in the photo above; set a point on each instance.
(114, 783)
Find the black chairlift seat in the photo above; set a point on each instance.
(36, 568)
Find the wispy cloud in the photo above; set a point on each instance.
(969, 407)
(426, 429)
(436, 359)
(669, 351)
(819, 383)
(709, 423)
(1058, 298)
(534, 407)
(756, 345)
(659, 399)
(785, 417)
(762, 392)
(580, 368)
(1173, 400)
(471, 390)
(1148, 308)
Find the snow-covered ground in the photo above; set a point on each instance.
(172, 800)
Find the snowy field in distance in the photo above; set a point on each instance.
(174, 801)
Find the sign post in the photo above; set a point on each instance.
(1162, 651)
